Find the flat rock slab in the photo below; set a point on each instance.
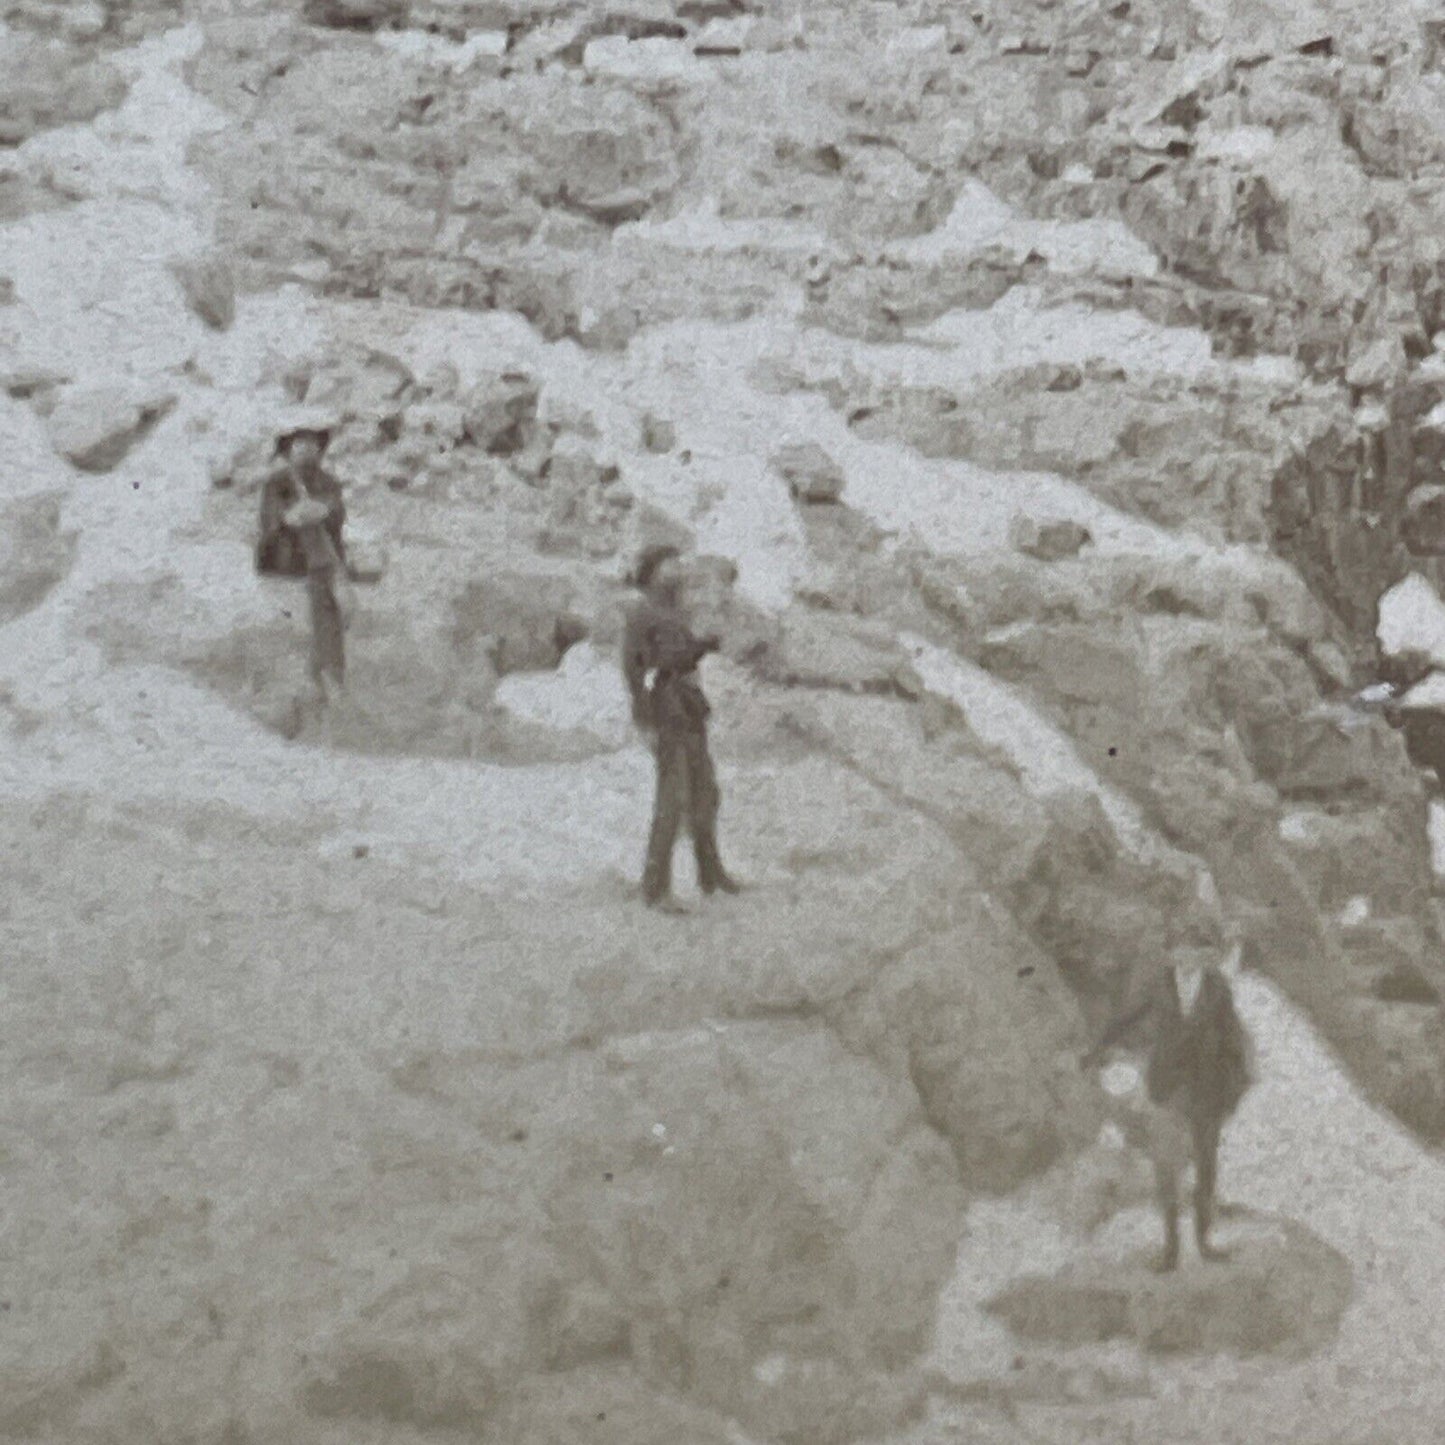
(1282, 1292)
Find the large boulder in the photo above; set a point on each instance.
(767, 1262)
(49, 84)
(599, 151)
(743, 1218)
(1140, 695)
(522, 621)
(94, 428)
(1012, 1109)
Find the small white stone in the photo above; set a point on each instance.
(1355, 912)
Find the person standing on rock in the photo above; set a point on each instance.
(300, 449)
(1197, 1067)
(325, 582)
(660, 655)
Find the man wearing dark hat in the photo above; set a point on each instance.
(660, 655)
(299, 448)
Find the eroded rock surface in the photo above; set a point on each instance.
(1119, 325)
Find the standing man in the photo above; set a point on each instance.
(1197, 1069)
(660, 655)
(299, 450)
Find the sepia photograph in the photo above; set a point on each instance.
(722, 722)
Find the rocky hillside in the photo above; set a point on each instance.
(1042, 390)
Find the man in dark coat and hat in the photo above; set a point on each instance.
(300, 475)
(1198, 1063)
(660, 656)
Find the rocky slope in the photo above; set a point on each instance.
(1043, 391)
